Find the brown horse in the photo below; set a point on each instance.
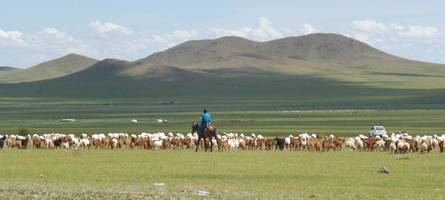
(208, 133)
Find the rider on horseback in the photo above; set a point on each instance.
(206, 120)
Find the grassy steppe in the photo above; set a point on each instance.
(110, 174)
(267, 118)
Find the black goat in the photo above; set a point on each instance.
(2, 142)
(280, 143)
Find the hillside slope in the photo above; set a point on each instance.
(51, 69)
(330, 56)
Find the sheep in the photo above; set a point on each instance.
(83, 143)
(379, 145)
(114, 143)
(295, 143)
(287, 141)
(434, 143)
(242, 143)
(314, 136)
(304, 137)
(392, 148)
(48, 143)
(441, 140)
(350, 144)
(269, 143)
(260, 142)
(424, 148)
(17, 141)
(224, 143)
(314, 144)
(403, 146)
(395, 143)
(232, 143)
(66, 145)
(37, 141)
(157, 143)
(250, 142)
(359, 144)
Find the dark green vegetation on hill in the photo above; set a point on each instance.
(6, 68)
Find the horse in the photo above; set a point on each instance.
(208, 132)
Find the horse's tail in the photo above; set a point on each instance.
(218, 140)
(216, 135)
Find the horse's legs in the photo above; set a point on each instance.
(218, 143)
(211, 143)
(197, 143)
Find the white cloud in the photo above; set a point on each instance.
(263, 31)
(183, 34)
(308, 29)
(57, 42)
(243, 32)
(118, 41)
(139, 44)
(368, 25)
(395, 26)
(109, 27)
(54, 35)
(419, 32)
(54, 31)
(155, 39)
(12, 38)
(107, 39)
(265, 27)
(49, 39)
(39, 46)
(410, 31)
(401, 39)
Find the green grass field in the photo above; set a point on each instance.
(124, 174)
(94, 117)
(133, 174)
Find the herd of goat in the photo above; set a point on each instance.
(394, 143)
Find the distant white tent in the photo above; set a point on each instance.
(162, 121)
(68, 120)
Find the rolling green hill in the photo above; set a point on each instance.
(65, 65)
(7, 69)
(329, 56)
(316, 69)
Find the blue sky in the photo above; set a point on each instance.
(35, 31)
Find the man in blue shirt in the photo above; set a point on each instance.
(206, 120)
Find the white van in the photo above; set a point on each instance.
(377, 130)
